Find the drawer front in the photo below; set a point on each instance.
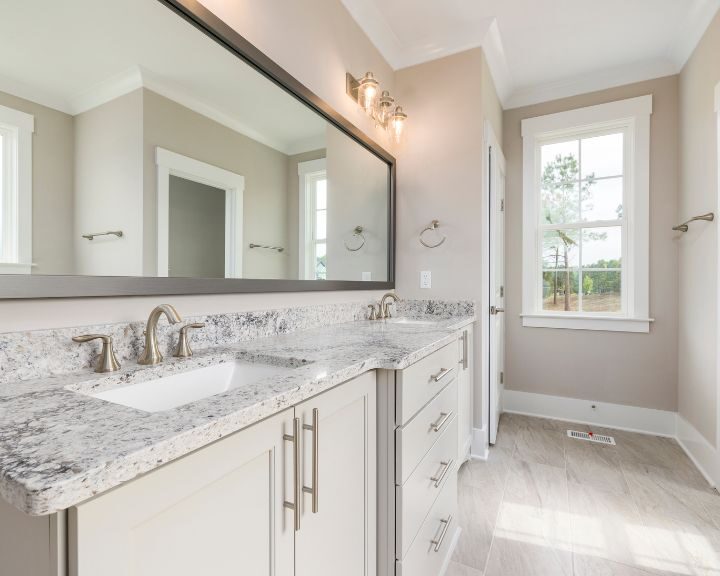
(415, 498)
(418, 383)
(413, 440)
(433, 544)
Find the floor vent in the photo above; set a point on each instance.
(590, 437)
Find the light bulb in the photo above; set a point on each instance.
(368, 92)
(397, 124)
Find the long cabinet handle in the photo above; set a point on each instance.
(297, 479)
(444, 417)
(439, 542)
(465, 350)
(439, 478)
(315, 428)
(440, 375)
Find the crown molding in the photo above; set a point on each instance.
(497, 62)
(590, 83)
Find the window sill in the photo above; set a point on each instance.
(601, 323)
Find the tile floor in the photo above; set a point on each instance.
(547, 505)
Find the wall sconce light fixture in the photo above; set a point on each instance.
(380, 106)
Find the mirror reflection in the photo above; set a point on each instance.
(139, 147)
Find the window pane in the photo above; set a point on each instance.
(602, 199)
(602, 247)
(602, 291)
(560, 202)
(560, 291)
(560, 249)
(321, 224)
(559, 162)
(602, 156)
(320, 262)
(321, 194)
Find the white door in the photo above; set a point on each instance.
(496, 340)
(338, 535)
(217, 511)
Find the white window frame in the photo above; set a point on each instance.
(632, 116)
(307, 171)
(17, 129)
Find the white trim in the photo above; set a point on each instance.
(170, 163)
(18, 154)
(717, 98)
(634, 116)
(579, 322)
(305, 169)
(607, 415)
(480, 447)
(497, 62)
(705, 456)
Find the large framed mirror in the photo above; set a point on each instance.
(147, 148)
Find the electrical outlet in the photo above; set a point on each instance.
(366, 276)
(425, 279)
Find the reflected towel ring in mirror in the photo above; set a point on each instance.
(434, 225)
(358, 233)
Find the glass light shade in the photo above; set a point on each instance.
(397, 124)
(368, 93)
(384, 108)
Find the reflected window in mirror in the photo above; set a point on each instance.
(16, 129)
(313, 219)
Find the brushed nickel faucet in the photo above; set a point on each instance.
(385, 307)
(183, 349)
(152, 355)
(107, 362)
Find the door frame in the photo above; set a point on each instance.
(717, 318)
(491, 143)
(174, 164)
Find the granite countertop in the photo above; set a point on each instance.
(59, 447)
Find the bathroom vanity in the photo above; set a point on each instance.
(342, 459)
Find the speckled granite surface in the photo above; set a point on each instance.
(59, 446)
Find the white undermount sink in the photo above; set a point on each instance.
(179, 389)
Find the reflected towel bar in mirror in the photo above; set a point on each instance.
(92, 236)
(709, 217)
(358, 233)
(278, 248)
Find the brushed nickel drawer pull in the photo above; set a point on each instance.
(315, 428)
(444, 417)
(440, 375)
(297, 480)
(446, 468)
(465, 349)
(439, 542)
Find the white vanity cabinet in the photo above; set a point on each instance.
(221, 510)
(425, 427)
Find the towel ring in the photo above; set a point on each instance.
(358, 232)
(434, 225)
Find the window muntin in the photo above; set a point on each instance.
(582, 227)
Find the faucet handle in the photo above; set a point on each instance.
(373, 312)
(183, 349)
(107, 362)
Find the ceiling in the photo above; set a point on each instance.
(77, 54)
(540, 50)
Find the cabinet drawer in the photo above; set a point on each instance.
(415, 498)
(433, 544)
(413, 440)
(418, 383)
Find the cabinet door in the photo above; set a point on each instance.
(217, 511)
(340, 538)
(465, 393)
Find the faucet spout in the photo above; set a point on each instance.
(152, 355)
(385, 307)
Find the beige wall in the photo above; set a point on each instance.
(108, 187)
(698, 193)
(52, 175)
(332, 43)
(357, 196)
(170, 125)
(634, 369)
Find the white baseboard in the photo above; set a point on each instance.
(480, 444)
(619, 416)
(699, 450)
